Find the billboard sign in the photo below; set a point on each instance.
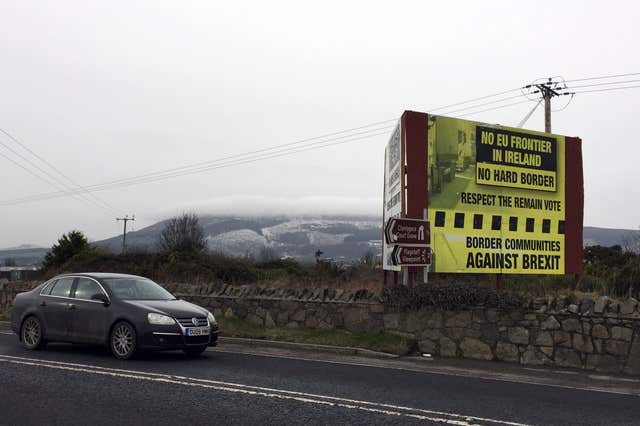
(393, 187)
(496, 198)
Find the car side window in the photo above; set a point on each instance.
(48, 287)
(62, 287)
(87, 288)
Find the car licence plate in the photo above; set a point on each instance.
(197, 331)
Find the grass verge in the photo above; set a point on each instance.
(5, 314)
(381, 342)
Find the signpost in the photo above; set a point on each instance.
(411, 256)
(410, 240)
(407, 231)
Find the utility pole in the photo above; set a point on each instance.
(124, 233)
(548, 91)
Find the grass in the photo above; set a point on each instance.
(5, 314)
(381, 342)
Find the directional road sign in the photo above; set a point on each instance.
(407, 231)
(411, 256)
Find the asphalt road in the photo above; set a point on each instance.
(71, 384)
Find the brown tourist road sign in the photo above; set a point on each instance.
(411, 256)
(407, 231)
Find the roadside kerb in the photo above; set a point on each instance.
(337, 350)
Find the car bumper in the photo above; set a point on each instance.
(167, 340)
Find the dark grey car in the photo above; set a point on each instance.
(125, 312)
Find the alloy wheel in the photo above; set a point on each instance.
(123, 340)
(31, 332)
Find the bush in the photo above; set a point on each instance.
(68, 246)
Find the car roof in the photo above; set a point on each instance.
(99, 275)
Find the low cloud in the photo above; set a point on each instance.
(256, 205)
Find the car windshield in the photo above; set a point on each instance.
(136, 289)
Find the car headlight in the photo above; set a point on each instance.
(211, 318)
(159, 319)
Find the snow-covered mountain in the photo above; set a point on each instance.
(340, 237)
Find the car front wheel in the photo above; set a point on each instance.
(31, 334)
(123, 340)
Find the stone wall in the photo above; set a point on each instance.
(9, 290)
(595, 335)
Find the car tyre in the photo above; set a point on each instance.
(195, 352)
(123, 340)
(31, 333)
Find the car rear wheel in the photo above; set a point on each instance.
(31, 333)
(123, 340)
(194, 352)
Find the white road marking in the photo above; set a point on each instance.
(380, 408)
(469, 373)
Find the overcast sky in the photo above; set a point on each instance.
(110, 90)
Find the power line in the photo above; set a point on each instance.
(54, 182)
(54, 168)
(476, 99)
(484, 104)
(603, 77)
(114, 184)
(494, 108)
(607, 89)
(604, 84)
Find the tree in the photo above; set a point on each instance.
(183, 234)
(67, 246)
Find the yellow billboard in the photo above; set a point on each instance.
(496, 198)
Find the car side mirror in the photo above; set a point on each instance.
(101, 297)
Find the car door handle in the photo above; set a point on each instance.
(72, 306)
(43, 303)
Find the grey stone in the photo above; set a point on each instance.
(582, 343)
(254, 319)
(391, 321)
(562, 338)
(507, 352)
(633, 361)
(461, 319)
(228, 313)
(430, 334)
(586, 326)
(299, 315)
(491, 315)
(547, 351)
(572, 325)
(628, 306)
(268, 320)
(550, 323)
(616, 347)
(282, 318)
(427, 346)
(435, 321)
(600, 331)
(544, 338)
(217, 312)
(621, 333)
(533, 357)
(567, 358)
(586, 306)
(601, 304)
(573, 308)
(292, 324)
(603, 363)
(456, 333)
(518, 335)
(356, 320)
(447, 347)
(476, 349)
(478, 316)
